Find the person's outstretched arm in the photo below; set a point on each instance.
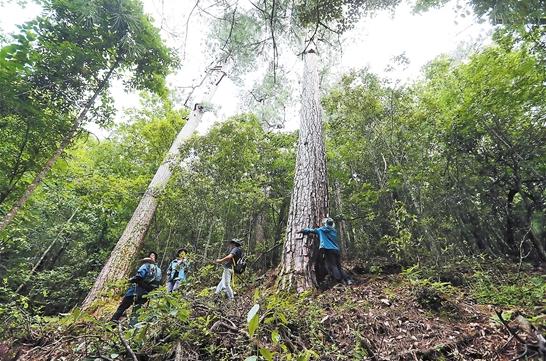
(307, 231)
(226, 258)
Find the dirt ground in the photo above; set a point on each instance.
(380, 317)
(387, 318)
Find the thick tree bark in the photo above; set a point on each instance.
(309, 201)
(67, 140)
(132, 239)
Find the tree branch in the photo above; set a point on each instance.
(187, 29)
(126, 344)
(275, 50)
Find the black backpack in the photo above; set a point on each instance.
(240, 266)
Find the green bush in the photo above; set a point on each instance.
(514, 290)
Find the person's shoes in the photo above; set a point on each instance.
(349, 282)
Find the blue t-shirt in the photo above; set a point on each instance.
(327, 236)
(150, 274)
(177, 270)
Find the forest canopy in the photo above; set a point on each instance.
(436, 186)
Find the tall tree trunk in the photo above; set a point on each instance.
(130, 242)
(280, 226)
(536, 241)
(309, 202)
(67, 139)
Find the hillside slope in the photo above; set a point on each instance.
(381, 317)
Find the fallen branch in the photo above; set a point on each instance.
(436, 349)
(510, 329)
(219, 324)
(125, 343)
(229, 325)
(529, 349)
(178, 356)
(369, 348)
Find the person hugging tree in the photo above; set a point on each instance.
(329, 259)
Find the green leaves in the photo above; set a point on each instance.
(449, 151)
(104, 181)
(53, 68)
(275, 336)
(253, 319)
(341, 15)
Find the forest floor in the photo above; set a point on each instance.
(386, 318)
(380, 317)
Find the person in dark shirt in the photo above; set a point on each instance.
(228, 262)
(329, 257)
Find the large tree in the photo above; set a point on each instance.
(229, 40)
(131, 241)
(311, 22)
(309, 202)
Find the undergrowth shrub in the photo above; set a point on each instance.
(14, 313)
(512, 290)
(285, 317)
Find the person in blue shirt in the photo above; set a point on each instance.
(329, 255)
(178, 270)
(146, 279)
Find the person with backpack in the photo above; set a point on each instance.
(177, 271)
(230, 263)
(147, 278)
(329, 259)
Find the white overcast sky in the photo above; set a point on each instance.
(373, 43)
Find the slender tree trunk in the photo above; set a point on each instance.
(280, 226)
(130, 242)
(198, 238)
(38, 264)
(342, 224)
(509, 237)
(259, 230)
(539, 247)
(209, 236)
(67, 140)
(309, 201)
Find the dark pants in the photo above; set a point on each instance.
(125, 303)
(329, 263)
